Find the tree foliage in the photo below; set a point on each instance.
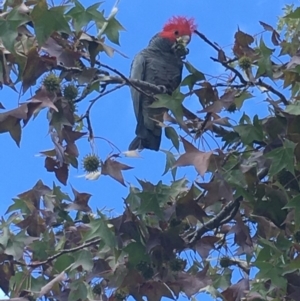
(53, 246)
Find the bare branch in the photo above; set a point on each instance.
(51, 258)
(223, 217)
(137, 84)
(206, 40)
(274, 91)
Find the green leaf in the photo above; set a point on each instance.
(78, 291)
(295, 203)
(149, 203)
(293, 109)
(112, 30)
(84, 259)
(172, 135)
(46, 21)
(82, 17)
(192, 78)
(264, 63)
(250, 133)
(294, 15)
(172, 102)
(282, 157)
(9, 27)
(136, 253)
(4, 238)
(239, 101)
(101, 228)
(170, 161)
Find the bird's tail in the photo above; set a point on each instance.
(149, 141)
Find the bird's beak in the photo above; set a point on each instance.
(184, 40)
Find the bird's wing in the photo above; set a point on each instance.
(138, 70)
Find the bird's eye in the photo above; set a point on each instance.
(176, 32)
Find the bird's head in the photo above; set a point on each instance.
(178, 30)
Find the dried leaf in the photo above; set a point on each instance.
(192, 156)
(186, 206)
(113, 169)
(236, 292)
(266, 26)
(80, 202)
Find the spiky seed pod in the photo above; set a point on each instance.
(91, 163)
(287, 179)
(145, 269)
(72, 106)
(97, 289)
(52, 83)
(232, 108)
(148, 273)
(225, 262)
(177, 264)
(245, 62)
(86, 219)
(120, 295)
(70, 92)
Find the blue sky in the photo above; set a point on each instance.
(113, 116)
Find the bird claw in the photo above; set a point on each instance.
(163, 89)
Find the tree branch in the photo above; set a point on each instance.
(51, 258)
(137, 84)
(206, 40)
(274, 91)
(236, 72)
(223, 217)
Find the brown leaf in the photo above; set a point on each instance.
(34, 195)
(215, 107)
(80, 202)
(206, 94)
(64, 55)
(35, 67)
(228, 98)
(205, 245)
(191, 284)
(62, 173)
(265, 228)
(154, 290)
(113, 169)
(71, 136)
(186, 206)
(236, 292)
(45, 99)
(50, 163)
(295, 292)
(34, 224)
(242, 237)
(275, 38)
(266, 26)
(72, 150)
(200, 160)
(243, 39)
(221, 56)
(217, 190)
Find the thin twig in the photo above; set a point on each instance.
(206, 40)
(274, 91)
(236, 72)
(130, 83)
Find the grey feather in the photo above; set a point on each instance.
(158, 65)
